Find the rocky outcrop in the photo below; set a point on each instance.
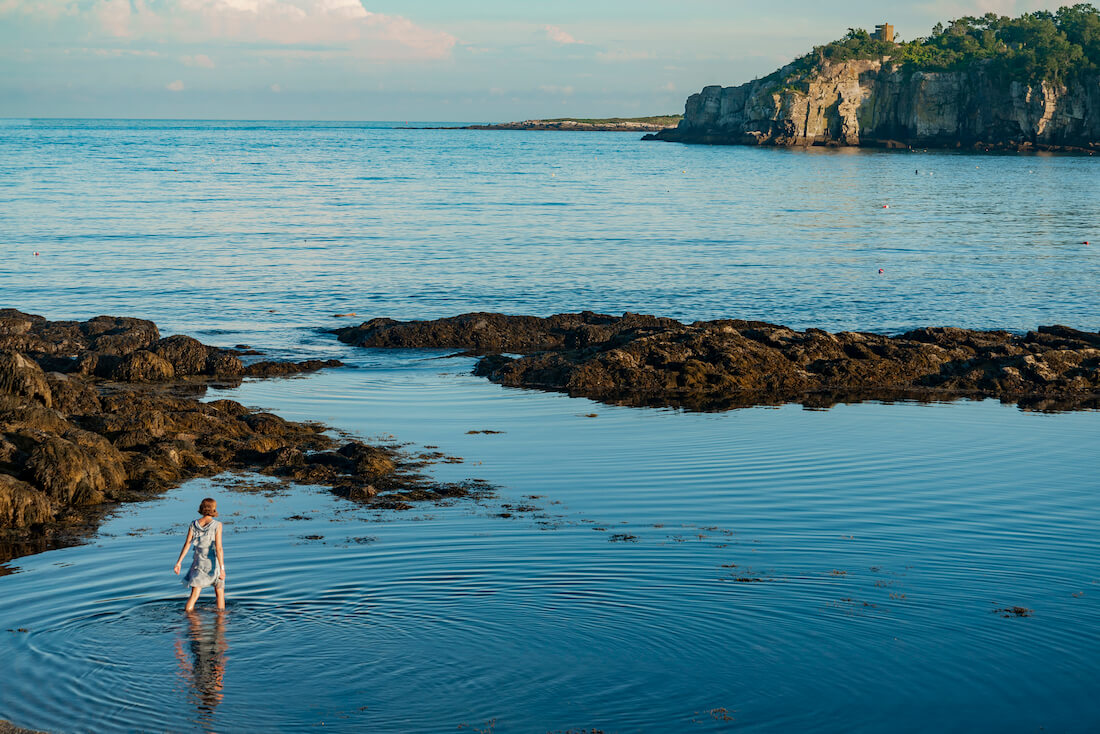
(124, 422)
(126, 350)
(878, 103)
(718, 365)
(610, 124)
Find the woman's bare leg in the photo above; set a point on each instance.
(219, 595)
(193, 598)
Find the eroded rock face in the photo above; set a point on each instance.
(116, 424)
(877, 103)
(717, 365)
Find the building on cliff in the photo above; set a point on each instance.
(994, 82)
(991, 83)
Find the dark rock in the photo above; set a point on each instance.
(21, 377)
(282, 369)
(21, 504)
(126, 422)
(82, 471)
(717, 365)
(223, 364)
(139, 366)
(128, 350)
(71, 395)
(186, 355)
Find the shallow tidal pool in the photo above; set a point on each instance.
(636, 570)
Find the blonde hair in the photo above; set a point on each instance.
(208, 507)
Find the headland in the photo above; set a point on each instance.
(1030, 83)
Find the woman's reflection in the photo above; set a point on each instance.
(202, 657)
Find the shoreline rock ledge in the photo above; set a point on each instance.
(731, 363)
(879, 103)
(99, 412)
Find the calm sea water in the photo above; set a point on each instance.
(763, 569)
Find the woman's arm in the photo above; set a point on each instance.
(221, 554)
(183, 551)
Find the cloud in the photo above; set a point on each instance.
(110, 52)
(276, 88)
(310, 22)
(340, 23)
(200, 60)
(176, 86)
(45, 9)
(114, 16)
(557, 35)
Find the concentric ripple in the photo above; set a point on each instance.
(639, 571)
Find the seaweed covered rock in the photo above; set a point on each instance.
(78, 468)
(22, 505)
(116, 415)
(127, 350)
(491, 332)
(729, 363)
(20, 376)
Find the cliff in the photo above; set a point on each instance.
(879, 103)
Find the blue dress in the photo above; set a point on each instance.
(204, 565)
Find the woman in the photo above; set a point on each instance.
(208, 564)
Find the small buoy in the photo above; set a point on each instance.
(881, 271)
(36, 254)
(1083, 243)
(885, 206)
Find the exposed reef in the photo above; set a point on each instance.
(730, 363)
(609, 124)
(103, 411)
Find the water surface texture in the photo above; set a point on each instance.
(196, 221)
(639, 570)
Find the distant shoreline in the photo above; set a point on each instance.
(654, 123)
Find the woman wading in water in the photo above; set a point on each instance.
(208, 565)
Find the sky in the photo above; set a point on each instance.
(423, 60)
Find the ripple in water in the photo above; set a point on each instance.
(640, 571)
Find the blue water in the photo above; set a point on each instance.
(873, 542)
(193, 222)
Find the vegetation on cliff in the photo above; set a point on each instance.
(1043, 45)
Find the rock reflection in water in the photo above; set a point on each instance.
(201, 652)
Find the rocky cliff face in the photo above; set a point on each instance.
(879, 104)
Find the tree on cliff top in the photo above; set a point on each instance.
(1044, 45)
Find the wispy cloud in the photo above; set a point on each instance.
(341, 23)
(176, 86)
(559, 36)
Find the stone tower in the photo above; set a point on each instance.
(884, 32)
